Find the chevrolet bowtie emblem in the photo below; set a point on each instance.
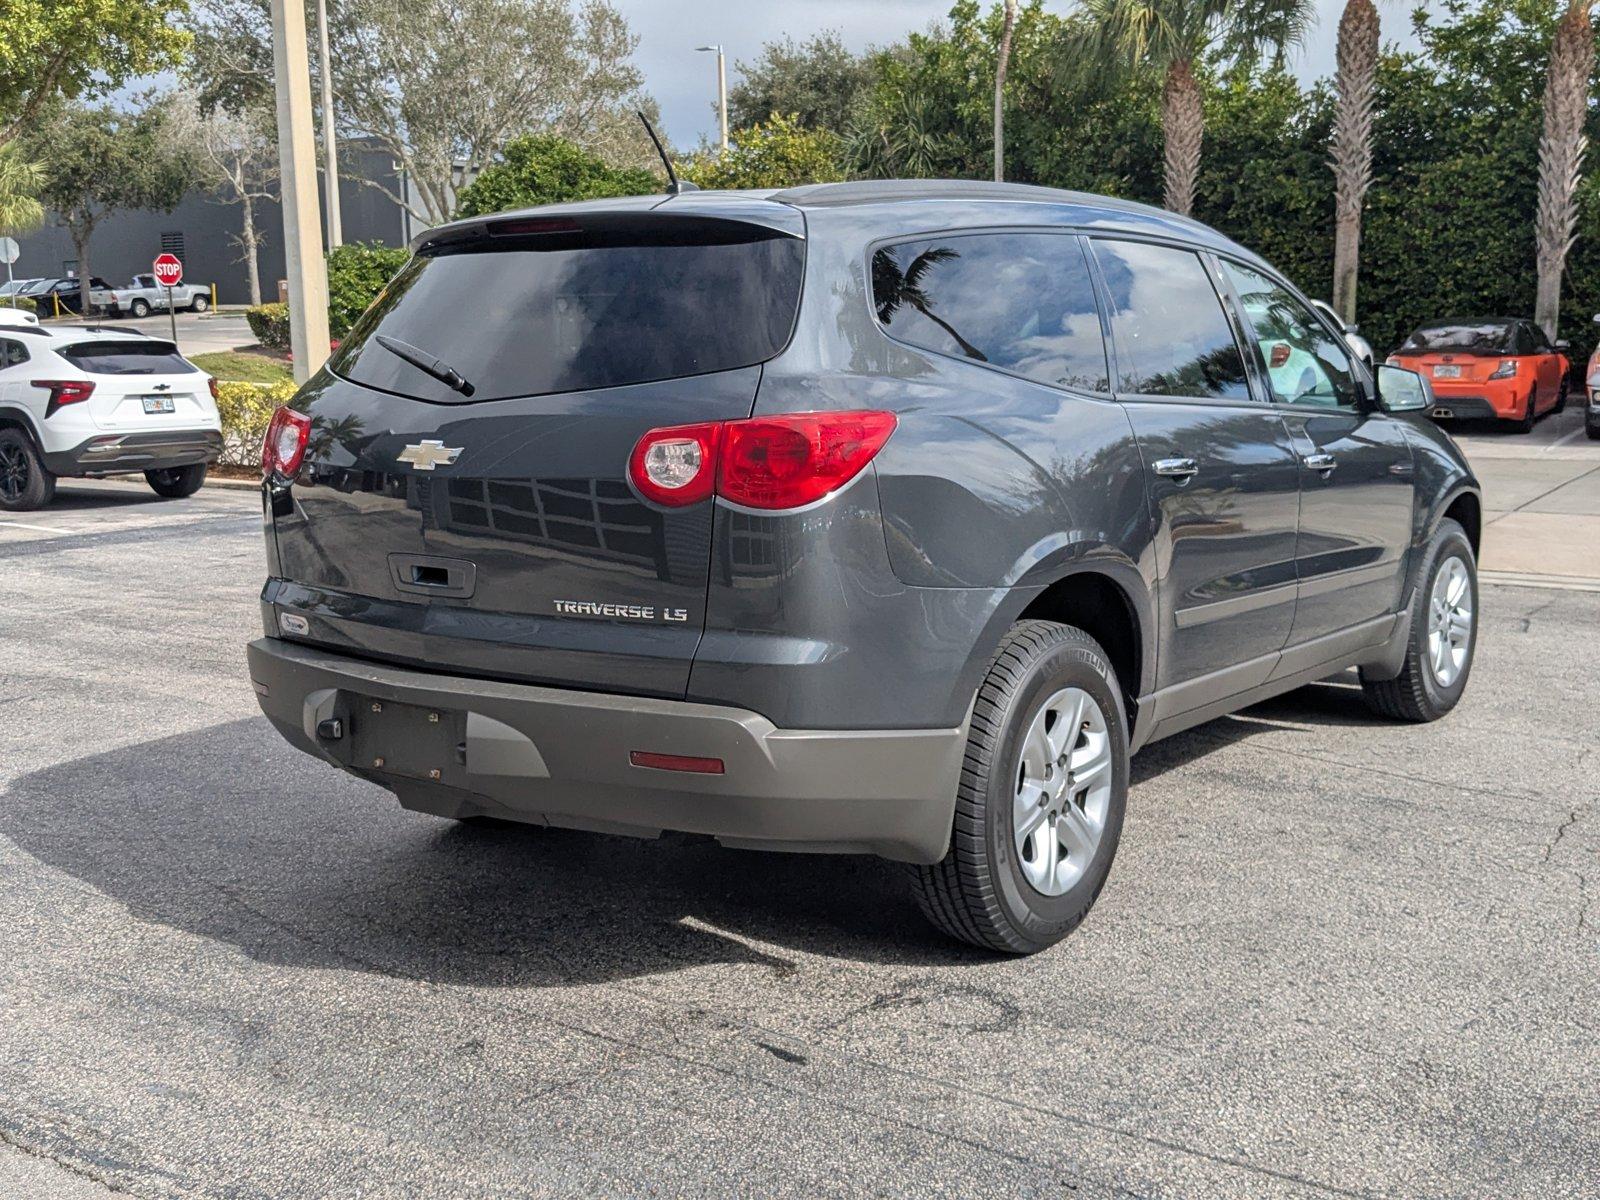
(425, 456)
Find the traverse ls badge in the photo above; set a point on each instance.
(425, 456)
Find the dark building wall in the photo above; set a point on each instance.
(124, 243)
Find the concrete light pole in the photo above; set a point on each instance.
(330, 138)
(722, 92)
(297, 162)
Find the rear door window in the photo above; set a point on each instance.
(1167, 322)
(125, 356)
(564, 307)
(12, 354)
(1021, 301)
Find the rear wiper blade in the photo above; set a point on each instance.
(426, 363)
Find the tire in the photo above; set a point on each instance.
(25, 482)
(139, 308)
(199, 304)
(1561, 397)
(1419, 693)
(176, 482)
(1524, 423)
(981, 891)
(1592, 430)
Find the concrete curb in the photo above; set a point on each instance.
(252, 484)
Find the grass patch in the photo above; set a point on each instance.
(233, 367)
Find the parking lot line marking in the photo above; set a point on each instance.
(1564, 438)
(35, 528)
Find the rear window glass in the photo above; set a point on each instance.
(126, 357)
(1462, 337)
(573, 309)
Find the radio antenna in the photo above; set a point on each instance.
(675, 187)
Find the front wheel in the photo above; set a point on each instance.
(176, 482)
(1443, 635)
(1041, 798)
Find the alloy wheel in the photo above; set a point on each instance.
(14, 472)
(1450, 622)
(1063, 791)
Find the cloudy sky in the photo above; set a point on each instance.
(685, 83)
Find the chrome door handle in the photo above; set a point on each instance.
(1320, 462)
(1176, 468)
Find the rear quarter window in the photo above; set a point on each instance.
(126, 357)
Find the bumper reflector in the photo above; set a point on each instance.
(675, 762)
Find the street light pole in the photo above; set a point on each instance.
(330, 149)
(297, 162)
(722, 92)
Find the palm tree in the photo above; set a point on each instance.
(892, 287)
(1561, 146)
(1171, 38)
(20, 181)
(1354, 80)
(1002, 60)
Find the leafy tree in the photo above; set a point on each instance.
(779, 153)
(538, 170)
(1174, 39)
(236, 157)
(445, 104)
(357, 272)
(98, 160)
(63, 49)
(818, 82)
(1566, 105)
(1355, 79)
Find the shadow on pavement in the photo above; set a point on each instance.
(81, 499)
(229, 834)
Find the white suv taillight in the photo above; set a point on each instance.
(64, 392)
(284, 447)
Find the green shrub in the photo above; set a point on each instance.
(357, 272)
(777, 154)
(246, 409)
(20, 303)
(536, 170)
(270, 324)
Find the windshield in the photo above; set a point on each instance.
(126, 357)
(1461, 337)
(579, 308)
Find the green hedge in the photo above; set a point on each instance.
(357, 273)
(270, 324)
(245, 410)
(20, 303)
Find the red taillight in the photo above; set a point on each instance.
(212, 384)
(774, 462)
(284, 447)
(64, 392)
(676, 465)
(675, 762)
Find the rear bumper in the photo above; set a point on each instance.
(114, 453)
(1472, 408)
(457, 746)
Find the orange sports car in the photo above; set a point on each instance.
(1502, 368)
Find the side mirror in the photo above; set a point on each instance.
(1401, 391)
(1597, 318)
(1562, 344)
(1351, 327)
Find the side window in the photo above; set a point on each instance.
(1303, 362)
(1171, 333)
(1022, 301)
(12, 354)
(1537, 342)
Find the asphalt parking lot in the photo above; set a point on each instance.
(1336, 957)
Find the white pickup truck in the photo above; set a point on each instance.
(144, 295)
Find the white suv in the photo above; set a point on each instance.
(92, 402)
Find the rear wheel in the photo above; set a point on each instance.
(1444, 633)
(25, 482)
(176, 482)
(1561, 397)
(1524, 423)
(1041, 798)
(139, 308)
(199, 304)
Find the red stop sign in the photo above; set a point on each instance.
(167, 270)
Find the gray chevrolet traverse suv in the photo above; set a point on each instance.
(864, 517)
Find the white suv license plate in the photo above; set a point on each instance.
(157, 404)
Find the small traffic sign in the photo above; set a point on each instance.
(8, 250)
(167, 270)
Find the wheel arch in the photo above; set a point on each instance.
(12, 417)
(1465, 507)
